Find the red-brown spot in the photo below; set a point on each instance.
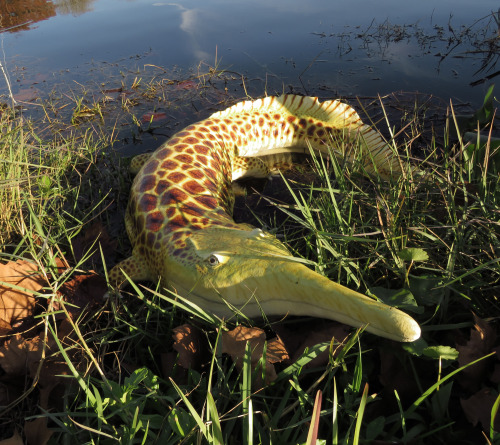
(161, 187)
(291, 118)
(320, 133)
(223, 127)
(147, 203)
(191, 140)
(311, 130)
(147, 183)
(248, 127)
(202, 159)
(180, 147)
(163, 152)
(184, 159)
(150, 167)
(201, 149)
(176, 177)
(169, 165)
(277, 116)
(193, 187)
(302, 123)
(199, 135)
(208, 122)
(177, 222)
(171, 212)
(183, 134)
(192, 211)
(233, 135)
(261, 121)
(207, 201)
(276, 132)
(196, 174)
(173, 197)
(154, 221)
(174, 140)
(204, 129)
(215, 128)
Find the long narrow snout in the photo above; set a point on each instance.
(302, 291)
(279, 287)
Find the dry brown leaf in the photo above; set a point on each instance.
(477, 408)
(83, 291)
(16, 304)
(16, 439)
(234, 343)
(36, 431)
(482, 339)
(17, 354)
(189, 342)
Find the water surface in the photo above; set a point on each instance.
(320, 47)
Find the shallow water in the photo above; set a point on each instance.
(320, 47)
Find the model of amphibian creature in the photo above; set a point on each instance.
(179, 216)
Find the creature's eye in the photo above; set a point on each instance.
(213, 260)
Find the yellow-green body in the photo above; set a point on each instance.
(179, 216)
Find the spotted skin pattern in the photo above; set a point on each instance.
(186, 184)
(185, 187)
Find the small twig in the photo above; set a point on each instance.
(6, 76)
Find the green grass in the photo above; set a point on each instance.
(428, 243)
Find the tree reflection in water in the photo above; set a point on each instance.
(17, 15)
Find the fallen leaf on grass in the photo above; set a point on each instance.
(477, 409)
(36, 431)
(234, 343)
(481, 342)
(189, 343)
(16, 439)
(18, 302)
(82, 291)
(17, 353)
